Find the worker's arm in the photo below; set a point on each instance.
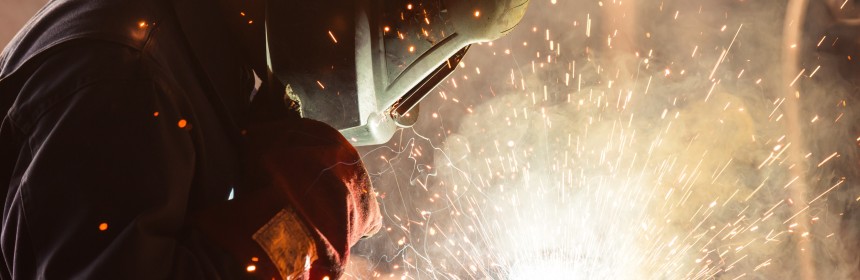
(315, 202)
(101, 186)
(305, 184)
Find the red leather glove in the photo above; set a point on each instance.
(313, 188)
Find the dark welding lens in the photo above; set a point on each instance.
(410, 100)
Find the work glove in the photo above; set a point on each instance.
(309, 200)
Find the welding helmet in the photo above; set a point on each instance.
(362, 66)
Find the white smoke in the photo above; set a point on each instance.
(662, 157)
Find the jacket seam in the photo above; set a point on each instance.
(156, 25)
(21, 188)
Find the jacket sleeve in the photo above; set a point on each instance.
(105, 175)
(324, 180)
(315, 190)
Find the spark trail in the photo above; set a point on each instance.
(559, 154)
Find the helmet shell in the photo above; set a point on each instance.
(351, 64)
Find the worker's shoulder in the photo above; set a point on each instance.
(73, 44)
(129, 23)
(69, 70)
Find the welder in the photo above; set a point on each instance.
(192, 139)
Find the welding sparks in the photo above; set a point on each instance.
(332, 37)
(667, 161)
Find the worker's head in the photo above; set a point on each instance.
(363, 66)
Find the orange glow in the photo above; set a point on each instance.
(250, 22)
(386, 29)
(255, 259)
(251, 268)
(409, 6)
(103, 226)
(182, 123)
(142, 24)
(477, 13)
(325, 278)
(155, 114)
(242, 13)
(411, 48)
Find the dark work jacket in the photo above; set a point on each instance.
(121, 118)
